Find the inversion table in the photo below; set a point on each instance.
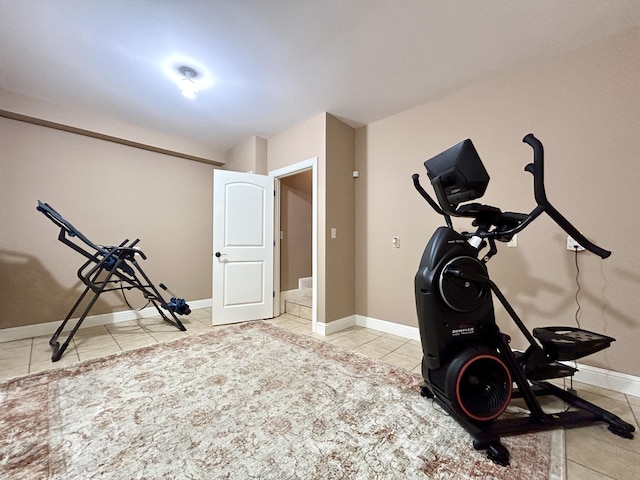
(107, 269)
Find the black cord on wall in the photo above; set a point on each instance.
(570, 387)
(578, 284)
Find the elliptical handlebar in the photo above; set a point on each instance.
(430, 201)
(542, 205)
(416, 183)
(537, 170)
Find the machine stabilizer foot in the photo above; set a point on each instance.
(623, 430)
(426, 392)
(58, 350)
(496, 452)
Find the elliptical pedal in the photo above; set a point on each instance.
(550, 370)
(570, 343)
(537, 365)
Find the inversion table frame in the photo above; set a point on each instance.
(105, 267)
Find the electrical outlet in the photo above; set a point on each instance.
(513, 242)
(395, 242)
(573, 245)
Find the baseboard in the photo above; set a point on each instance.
(368, 322)
(336, 325)
(42, 329)
(598, 377)
(405, 331)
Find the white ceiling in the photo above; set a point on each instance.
(272, 64)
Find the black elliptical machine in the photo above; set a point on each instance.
(468, 366)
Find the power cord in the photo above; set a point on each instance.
(570, 389)
(579, 288)
(437, 408)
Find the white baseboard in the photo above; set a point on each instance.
(335, 326)
(412, 333)
(598, 377)
(42, 329)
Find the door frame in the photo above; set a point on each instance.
(308, 164)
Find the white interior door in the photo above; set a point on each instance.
(243, 247)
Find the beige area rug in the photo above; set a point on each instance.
(248, 401)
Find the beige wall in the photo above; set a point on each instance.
(112, 191)
(296, 201)
(585, 107)
(340, 214)
(249, 156)
(73, 118)
(109, 192)
(332, 142)
(299, 143)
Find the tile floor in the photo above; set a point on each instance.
(591, 452)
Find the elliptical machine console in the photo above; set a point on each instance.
(468, 366)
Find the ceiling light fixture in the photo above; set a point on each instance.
(188, 87)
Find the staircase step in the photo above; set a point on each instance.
(299, 306)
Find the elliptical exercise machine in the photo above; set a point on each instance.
(468, 366)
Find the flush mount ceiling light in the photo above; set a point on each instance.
(180, 68)
(187, 86)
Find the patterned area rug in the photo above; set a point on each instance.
(248, 401)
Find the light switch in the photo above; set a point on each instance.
(333, 233)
